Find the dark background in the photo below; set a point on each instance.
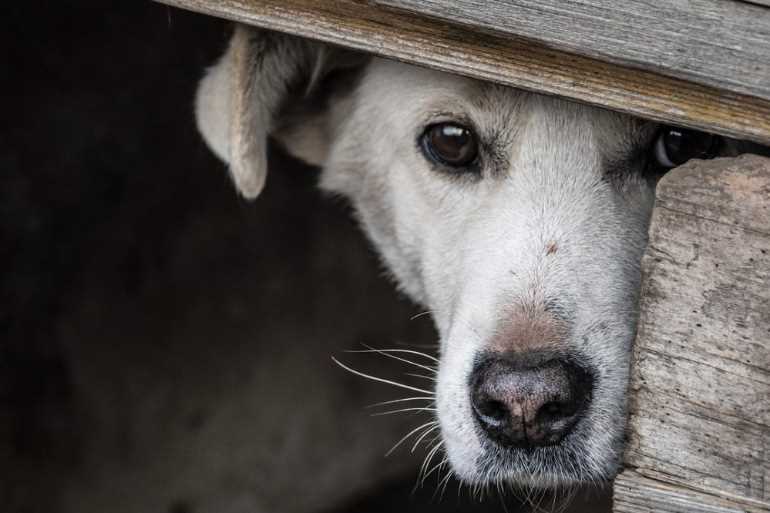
(164, 345)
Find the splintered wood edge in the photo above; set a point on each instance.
(513, 62)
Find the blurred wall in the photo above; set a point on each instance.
(166, 346)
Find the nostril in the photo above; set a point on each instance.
(554, 408)
(554, 411)
(494, 413)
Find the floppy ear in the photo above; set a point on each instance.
(241, 97)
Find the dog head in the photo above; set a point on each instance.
(517, 219)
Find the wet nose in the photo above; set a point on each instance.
(528, 401)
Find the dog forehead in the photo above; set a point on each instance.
(407, 93)
(392, 79)
(406, 90)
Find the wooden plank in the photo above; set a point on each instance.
(722, 43)
(634, 493)
(507, 60)
(699, 412)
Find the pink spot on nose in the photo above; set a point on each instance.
(526, 328)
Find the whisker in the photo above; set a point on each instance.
(404, 351)
(421, 314)
(428, 459)
(391, 412)
(540, 496)
(435, 467)
(394, 401)
(432, 347)
(423, 376)
(422, 437)
(443, 484)
(409, 434)
(381, 380)
(528, 497)
(388, 353)
(501, 494)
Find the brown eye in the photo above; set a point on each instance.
(450, 144)
(675, 146)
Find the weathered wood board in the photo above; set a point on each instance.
(635, 493)
(722, 43)
(483, 53)
(699, 425)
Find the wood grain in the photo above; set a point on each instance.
(508, 60)
(721, 43)
(700, 386)
(634, 493)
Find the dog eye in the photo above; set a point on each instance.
(450, 144)
(675, 146)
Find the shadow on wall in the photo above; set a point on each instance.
(166, 346)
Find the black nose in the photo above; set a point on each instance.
(528, 400)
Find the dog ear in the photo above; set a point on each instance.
(241, 98)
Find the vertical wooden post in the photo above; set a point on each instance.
(699, 427)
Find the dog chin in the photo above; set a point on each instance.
(544, 468)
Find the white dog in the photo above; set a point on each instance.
(517, 219)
